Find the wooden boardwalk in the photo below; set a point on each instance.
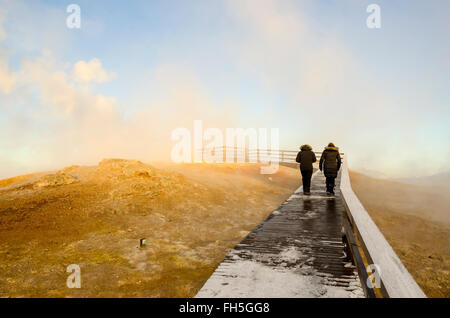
(296, 252)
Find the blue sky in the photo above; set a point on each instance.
(311, 68)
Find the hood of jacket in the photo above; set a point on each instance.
(332, 148)
(305, 147)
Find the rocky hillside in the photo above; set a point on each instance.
(94, 216)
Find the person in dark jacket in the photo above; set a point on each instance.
(306, 158)
(330, 163)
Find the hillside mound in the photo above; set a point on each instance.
(94, 216)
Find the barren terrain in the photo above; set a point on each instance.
(416, 222)
(190, 214)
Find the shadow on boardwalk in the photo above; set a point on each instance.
(296, 252)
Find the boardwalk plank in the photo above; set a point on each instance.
(296, 252)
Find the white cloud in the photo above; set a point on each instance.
(64, 123)
(57, 88)
(80, 127)
(92, 71)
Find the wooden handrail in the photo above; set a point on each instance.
(396, 281)
(256, 154)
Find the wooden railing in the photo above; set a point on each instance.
(395, 280)
(249, 155)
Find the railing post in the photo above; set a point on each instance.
(224, 154)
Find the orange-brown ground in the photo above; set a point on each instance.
(190, 214)
(416, 222)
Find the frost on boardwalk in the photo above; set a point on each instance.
(296, 252)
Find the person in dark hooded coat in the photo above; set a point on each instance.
(306, 158)
(330, 163)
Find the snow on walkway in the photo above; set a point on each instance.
(296, 252)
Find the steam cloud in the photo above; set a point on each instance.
(53, 116)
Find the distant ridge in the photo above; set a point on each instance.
(440, 180)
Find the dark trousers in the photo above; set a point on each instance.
(306, 179)
(330, 183)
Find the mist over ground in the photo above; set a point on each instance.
(415, 219)
(190, 215)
